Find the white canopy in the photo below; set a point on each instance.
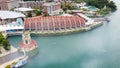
(10, 27)
(22, 9)
(66, 15)
(10, 14)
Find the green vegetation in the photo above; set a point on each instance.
(4, 43)
(67, 6)
(29, 14)
(103, 11)
(45, 14)
(14, 63)
(37, 12)
(78, 1)
(102, 3)
(39, 8)
(8, 66)
(83, 9)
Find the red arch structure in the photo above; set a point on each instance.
(53, 23)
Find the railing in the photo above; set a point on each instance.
(10, 27)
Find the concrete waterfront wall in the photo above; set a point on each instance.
(68, 31)
(61, 32)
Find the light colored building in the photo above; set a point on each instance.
(52, 8)
(8, 4)
(32, 4)
(10, 20)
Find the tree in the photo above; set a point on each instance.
(37, 12)
(29, 14)
(103, 11)
(67, 6)
(112, 5)
(101, 3)
(4, 43)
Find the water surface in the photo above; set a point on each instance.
(98, 48)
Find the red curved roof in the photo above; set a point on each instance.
(54, 22)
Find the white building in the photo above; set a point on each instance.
(10, 20)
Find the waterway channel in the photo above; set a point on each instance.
(97, 48)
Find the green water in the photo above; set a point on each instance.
(98, 48)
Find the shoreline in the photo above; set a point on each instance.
(10, 62)
(13, 50)
(61, 32)
(51, 33)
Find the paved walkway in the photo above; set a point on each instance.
(10, 57)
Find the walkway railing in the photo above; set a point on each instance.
(10, 27)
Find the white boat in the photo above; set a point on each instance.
(21, 62)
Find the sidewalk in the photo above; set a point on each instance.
(10, 62)
(9, 57)
(8, 52)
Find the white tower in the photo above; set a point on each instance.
(26, 38)
(27, 43)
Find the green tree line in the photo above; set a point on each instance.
(102, 3)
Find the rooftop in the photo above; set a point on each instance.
(10, 14)
(23, 9)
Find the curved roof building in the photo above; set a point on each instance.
(50, 23)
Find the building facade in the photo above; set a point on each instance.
(8, 4)
(32, 4)
(53, 23)
(52, 8)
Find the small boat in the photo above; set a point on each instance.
(107, 19)
(21, 62)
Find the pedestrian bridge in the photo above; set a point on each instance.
(10, 20)
(18, 24)
(10, 27)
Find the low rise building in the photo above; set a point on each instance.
(8, 4)
(52, 8)
(32, 4)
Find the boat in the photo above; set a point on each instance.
(21, 62)
(107, 19)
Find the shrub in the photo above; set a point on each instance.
(14, 63)
(8, 66)
(29, 14)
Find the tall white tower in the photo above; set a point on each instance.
(27, 43)
(26, 38)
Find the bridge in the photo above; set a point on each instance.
(10, 27)
(10, 20)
